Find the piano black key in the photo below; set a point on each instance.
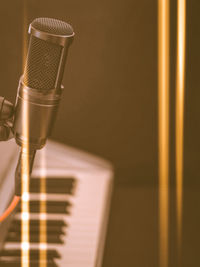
(51, 206)
(53, 185)
(16, 262)
(67, 181)
(36, 222)
(32, 264)
(33, 253)
(59, 233)
(36, 229)
(35, 238)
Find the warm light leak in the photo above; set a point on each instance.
(180, 79)
(25, 238)
(163, 127)
(25, 199)
(24, 33)
(43, 225)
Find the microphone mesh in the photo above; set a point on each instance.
(42, 63)
(52, 26)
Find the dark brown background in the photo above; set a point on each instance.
(109, 108)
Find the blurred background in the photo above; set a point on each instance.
(109, 108)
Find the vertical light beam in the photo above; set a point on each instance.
(25, 238)
(163, 127)
(25, 196)
(180, 79)
(24, 34)
(43, 224)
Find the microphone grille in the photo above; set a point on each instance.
(42, 63)
(52, 26)
(43, 59)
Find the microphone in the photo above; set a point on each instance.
(40, 89)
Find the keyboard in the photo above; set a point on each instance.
(76, 196)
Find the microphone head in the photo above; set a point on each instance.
(47, 53)
(52, 26)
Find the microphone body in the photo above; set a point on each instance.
(40, 89)
(41, 108)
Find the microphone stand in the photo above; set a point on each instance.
(24, 167)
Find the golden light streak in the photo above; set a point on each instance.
(43, 226)
(180, 78)
(25, 161)
(25, 191)
(24, 33)
(163, 127)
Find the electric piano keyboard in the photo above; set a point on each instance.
(77, 197)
